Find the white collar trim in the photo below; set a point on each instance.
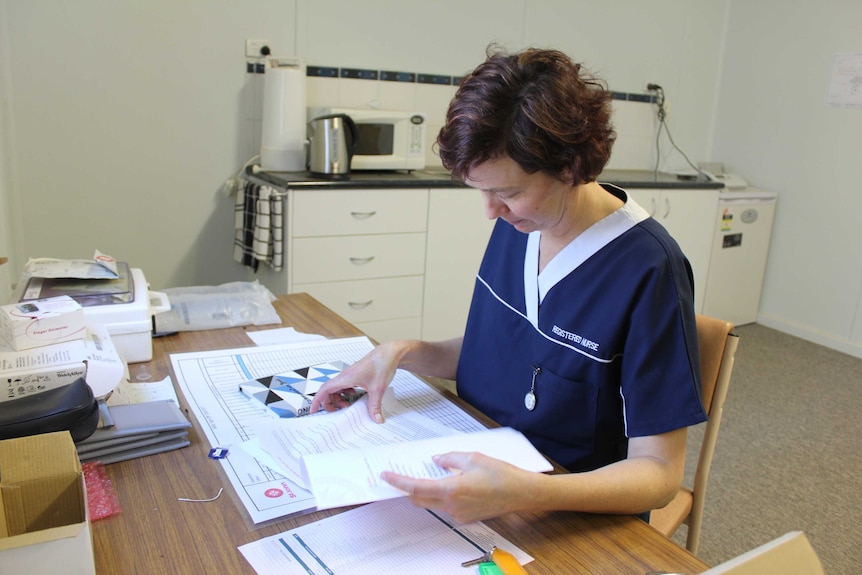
(573, 255)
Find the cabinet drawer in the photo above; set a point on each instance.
(351, 212)
(370, 300)
(357, 257)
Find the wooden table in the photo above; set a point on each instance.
(157, 534)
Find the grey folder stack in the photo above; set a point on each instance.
(138, 429)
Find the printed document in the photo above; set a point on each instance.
(339, 456)
(385, 538)
(210, 380)
(288, 441)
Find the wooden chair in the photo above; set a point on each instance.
(717, 348)
(790, 554)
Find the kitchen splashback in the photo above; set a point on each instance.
(634, 113)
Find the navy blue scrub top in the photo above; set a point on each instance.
(608, 328)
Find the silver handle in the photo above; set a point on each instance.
(362, 215)
(361, 261)
(666, 208)
(360, 305)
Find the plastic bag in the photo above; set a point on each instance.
(213, 307)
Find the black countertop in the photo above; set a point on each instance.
(439, 178)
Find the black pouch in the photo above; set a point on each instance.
(69, 408)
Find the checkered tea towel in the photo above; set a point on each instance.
(258, 219)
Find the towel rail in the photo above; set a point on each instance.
(278, 192)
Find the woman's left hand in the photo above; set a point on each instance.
(482, 487)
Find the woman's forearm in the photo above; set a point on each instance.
(434, 359)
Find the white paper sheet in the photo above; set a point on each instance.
(349, 477)
(845, 81)
(281, 335)
(385, 538)
(210, 382)
(141, 392)
(287, 441)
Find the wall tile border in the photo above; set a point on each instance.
(436, 79)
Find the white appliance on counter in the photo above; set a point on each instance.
(386, 139)
(282, 146)
(123, 307)
(740, 246)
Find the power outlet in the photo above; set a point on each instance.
(257, 48)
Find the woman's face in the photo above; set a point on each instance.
(529, 202)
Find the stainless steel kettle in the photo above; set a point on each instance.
(332, 140)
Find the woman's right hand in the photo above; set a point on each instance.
(373, 373)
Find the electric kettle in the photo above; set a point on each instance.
(332, 140)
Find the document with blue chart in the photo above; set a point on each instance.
(228, 417)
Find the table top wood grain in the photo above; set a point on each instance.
(156, 533)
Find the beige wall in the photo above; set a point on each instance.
(6, 209)
(128, 117)
(772, 125)
(120, 121)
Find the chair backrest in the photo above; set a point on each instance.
(790, 554)
(717, 347)
(712, 339)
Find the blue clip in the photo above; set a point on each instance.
(218, 453)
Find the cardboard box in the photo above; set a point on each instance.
(44, 523)
(30, 324)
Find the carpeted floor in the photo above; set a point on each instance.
(789, 453)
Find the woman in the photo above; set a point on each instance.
(581, 332)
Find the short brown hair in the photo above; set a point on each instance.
(537, 107)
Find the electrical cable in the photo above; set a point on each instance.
(233, 183)
(661, 114)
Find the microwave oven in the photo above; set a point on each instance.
(387, 139)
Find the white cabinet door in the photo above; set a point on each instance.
(458, 233)
(689, 217)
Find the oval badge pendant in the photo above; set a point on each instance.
(530, 401)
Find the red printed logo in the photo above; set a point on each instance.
(273, 493)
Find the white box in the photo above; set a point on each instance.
(130, 324)
(30, 324)
(45, 524)
(30, 372)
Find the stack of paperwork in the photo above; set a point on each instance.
(339, 456)
(280, 467)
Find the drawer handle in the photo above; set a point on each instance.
(666, 208)
(361, 261)
(362, 215)
(360, 304)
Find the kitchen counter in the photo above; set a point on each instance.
(439, 178)
(650, 179)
